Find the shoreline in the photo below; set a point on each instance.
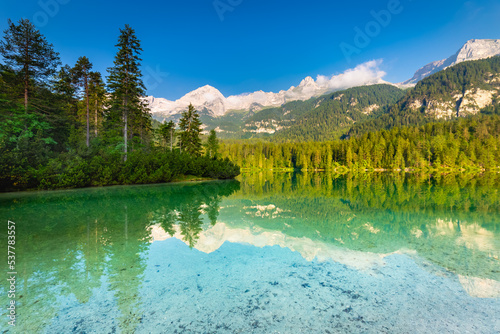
(187, 180)
(195, 179)
(346, 170)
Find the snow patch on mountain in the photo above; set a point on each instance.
(474, 49)
(215, 104)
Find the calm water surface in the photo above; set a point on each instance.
(270, 253)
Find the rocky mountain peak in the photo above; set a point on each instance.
(478, 49)
(473, 49)
(308, 81)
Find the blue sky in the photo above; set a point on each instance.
(248, 45)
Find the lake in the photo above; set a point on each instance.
(268, 253)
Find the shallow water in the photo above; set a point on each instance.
(270, 253)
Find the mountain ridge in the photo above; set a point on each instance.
(215, 104)
(474, 49)
(465, 89)
(260, 113)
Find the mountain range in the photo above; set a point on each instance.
(228, 114)
(209, 101)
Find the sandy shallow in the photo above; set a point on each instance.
(240, 288)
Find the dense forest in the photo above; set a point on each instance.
(321, 118)
(463, 143)
(64, 127)
(443, 86)
(335, 114)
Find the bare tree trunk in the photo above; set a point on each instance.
(26, 75)
(88, 111)
(26, 97)
(125, 128)
(95, 129)
(125, 115)
(142, 129)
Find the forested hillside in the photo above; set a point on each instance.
(464, 143)
(465, 89)
(323, 118)
(334, 115)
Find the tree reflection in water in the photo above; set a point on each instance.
(74, 243)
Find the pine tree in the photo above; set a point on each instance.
(27, 52)
(212, 146)
(125, 84)
(349, 156)
(167, 133)
(190, 129)
(328, 157)
(64, 87)
(81, 76)
(97, 92)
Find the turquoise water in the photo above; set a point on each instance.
(269, 253)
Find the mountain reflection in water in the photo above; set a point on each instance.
(73, 242)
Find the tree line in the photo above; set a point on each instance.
(464, 143)
(64, 126)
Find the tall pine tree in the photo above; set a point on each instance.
(81, 76)
(97, 92)
(166, 131)
(190, 129)
(125, 85)
(212, 146)
(28, 53)
(65, 88)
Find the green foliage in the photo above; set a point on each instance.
(464, 143)
(212, 146)
(25, 142)
(49, 145)
(28, 53)
(230, 123)
(321, 118)
(190, 129)
(81, 75)
(127, 112)
(443, 86)
(97, 99)
(331, 116)
(166, 131)
(71, 170)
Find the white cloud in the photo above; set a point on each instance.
(364, 74)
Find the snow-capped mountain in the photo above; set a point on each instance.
(474, 49)
(211, 101)
(203, 98)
